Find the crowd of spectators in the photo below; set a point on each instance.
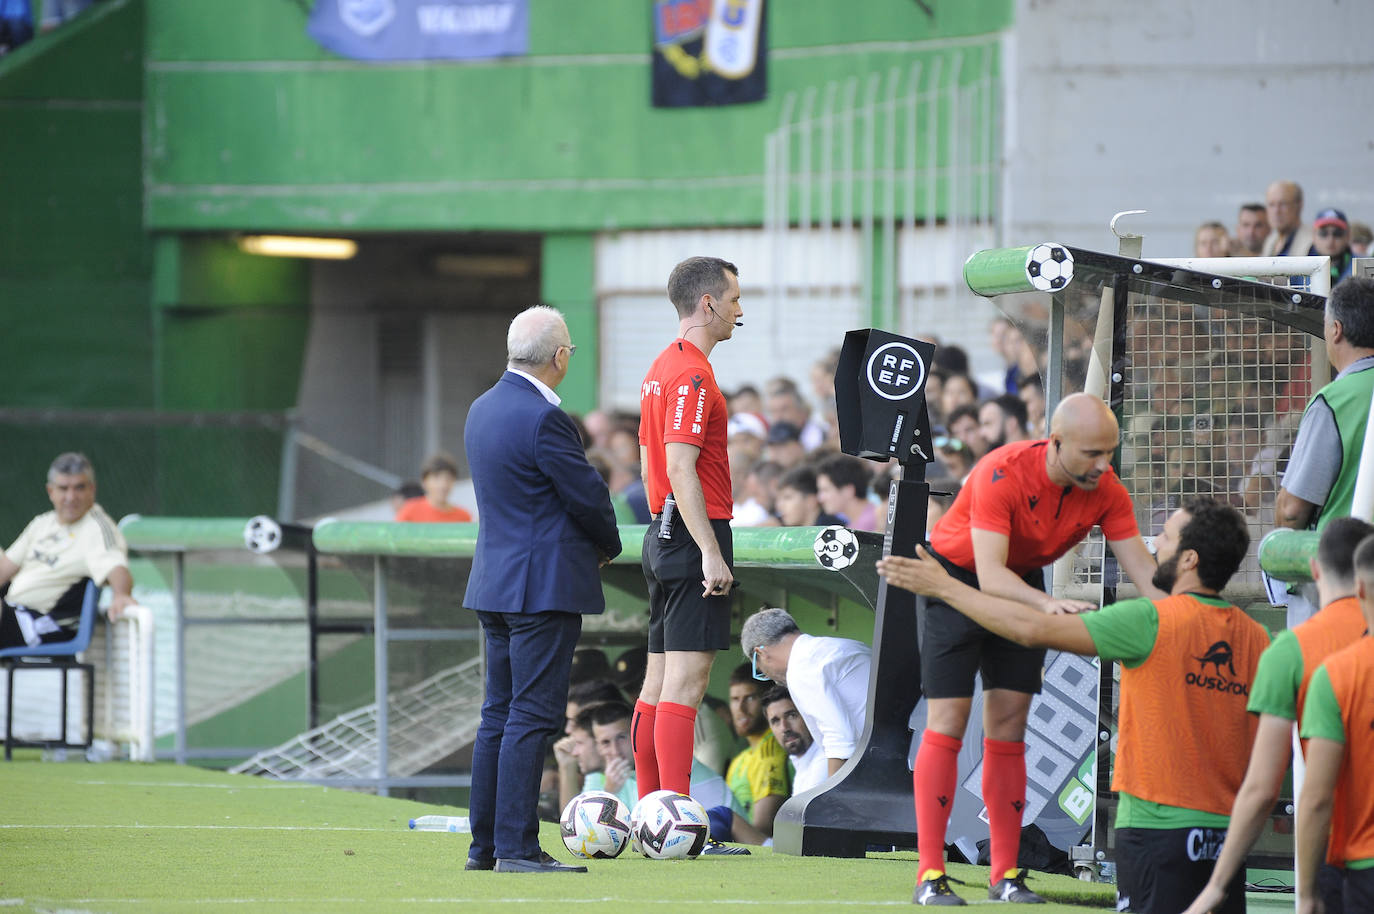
(1276, 228)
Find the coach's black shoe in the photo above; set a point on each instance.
(1013, 889)
(937, 892)
(541, 864)
(480, 863)
(714, 848)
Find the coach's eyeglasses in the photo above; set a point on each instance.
(754, 667)
(570, 347)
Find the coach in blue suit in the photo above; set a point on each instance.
(546, 526)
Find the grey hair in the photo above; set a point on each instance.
(535, 336)
(71, 463)
(766, 628)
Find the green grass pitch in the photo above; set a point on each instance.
(115, 837)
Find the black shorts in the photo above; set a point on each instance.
(1161, 870)
(954, 648)
(1358, 893)
(680, 618)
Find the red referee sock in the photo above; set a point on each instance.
(674, 733)
(642, 745)
(934, 780)
(1004, 794)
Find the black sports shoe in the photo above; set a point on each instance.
(714, 848)
(1014, 889)
(937, 892)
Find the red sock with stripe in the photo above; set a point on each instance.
(1004, 794)
(937, 770)
(674, 734)
(642, 745)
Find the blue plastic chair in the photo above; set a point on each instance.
(58, 655)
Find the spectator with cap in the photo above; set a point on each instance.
(798, 504)
(1288, 236)
(1252, 227)
(437, 478)
(842, 488)
(784, 446)
(1331, 237)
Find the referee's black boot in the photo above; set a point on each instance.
(1013, 889)
(937, 892)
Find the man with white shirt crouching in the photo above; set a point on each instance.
(827, 679)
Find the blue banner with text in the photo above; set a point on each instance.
(422, 29)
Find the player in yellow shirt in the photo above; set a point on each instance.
(758, 776)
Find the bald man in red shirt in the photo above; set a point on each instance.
(1024, 505)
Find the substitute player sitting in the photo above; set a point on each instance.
(1189, 662)
(1336, 807)
(1024, 505)
(1278, 697)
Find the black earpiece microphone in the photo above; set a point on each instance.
(715, 315)
(1081, 480)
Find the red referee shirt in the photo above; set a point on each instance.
(1010, 492)
(681, 402)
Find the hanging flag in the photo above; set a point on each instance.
(421, 29)
(709, 52)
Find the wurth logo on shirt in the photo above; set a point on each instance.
(680, 407)
(701, 411)
(650, 388)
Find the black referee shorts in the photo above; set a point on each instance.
(1161, 870)
(954, 648)
(680, 618)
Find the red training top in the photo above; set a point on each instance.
(681, 402)
(1009, 492)
(419, 510)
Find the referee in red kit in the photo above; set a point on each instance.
(688, 550)
(1025, 505)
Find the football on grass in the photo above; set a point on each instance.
(596, 825)
(670, 826)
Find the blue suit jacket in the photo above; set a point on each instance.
(544, 514)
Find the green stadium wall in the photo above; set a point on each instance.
(149, 132)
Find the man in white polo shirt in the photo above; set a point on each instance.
(827, 677)
(42, 575)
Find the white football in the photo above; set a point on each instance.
(595, 824)
(670, 826)
(1049, 267)
(262, 534)
(836, 548)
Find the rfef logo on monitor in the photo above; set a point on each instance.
(896, 371)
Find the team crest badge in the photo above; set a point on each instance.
(367, 17)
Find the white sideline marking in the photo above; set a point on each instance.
(677, 902)
(262, 785)
(224, 827)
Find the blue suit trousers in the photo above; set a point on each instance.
(529, 660)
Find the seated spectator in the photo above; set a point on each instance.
(797, 502)
(1017, 355)
(757, 776)
(1210, 240)
(934, 394)
(580, 767)
(628, 498)
(611, 728)
(1331, 237)
(1003, 419)
(954, 457)
(842, 488)
(746, 400)
(964, 425)
(1252, 227)
(1032, 393)
(1360, 238)
(1288, 236)
(809, 766)
(47, 566)
(760, 491)
(437, 478)
(827, 678)
(784, 445)
(784, 403)
(958, 390)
